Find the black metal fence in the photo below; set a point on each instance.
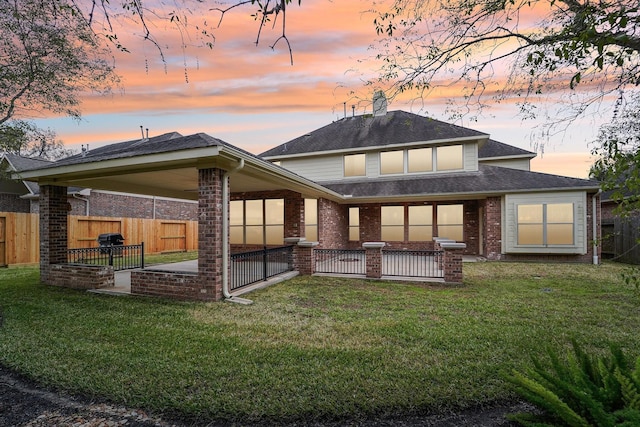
(121, 257)
(412, 263)
(341, 261)
(251, 267)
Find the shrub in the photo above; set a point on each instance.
(580, 390)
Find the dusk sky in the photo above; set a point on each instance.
(252, 97)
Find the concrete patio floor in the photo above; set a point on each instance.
(123, 278)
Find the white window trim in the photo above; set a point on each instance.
(510, 222)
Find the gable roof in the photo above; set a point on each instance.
(488, 180)
(367, 132)
(494, 149)
(167, 165)
(17, 163)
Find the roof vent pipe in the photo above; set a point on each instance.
(142, 131)
(353, 111)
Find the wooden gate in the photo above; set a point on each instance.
(86, 231)
(173, 237)
(3, 242)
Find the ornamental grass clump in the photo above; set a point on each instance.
(580, 390)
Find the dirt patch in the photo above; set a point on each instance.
(25, 404)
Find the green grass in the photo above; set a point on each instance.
(314, 346)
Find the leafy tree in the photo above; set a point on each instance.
(618, 152)
(26, 139)
(583, 49)
(48, 58)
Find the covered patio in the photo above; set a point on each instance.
(196, 167)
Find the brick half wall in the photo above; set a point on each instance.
(81, 276)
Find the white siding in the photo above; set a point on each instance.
(471, 157)
(319, 168)
(521, 164)
(579, 200)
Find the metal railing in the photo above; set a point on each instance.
(412, 263)
(340, 261)
(121, 257)
(251, 267)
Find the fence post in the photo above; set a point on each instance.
(142, 255)
(111, 256)
(452, 263)
(305, 261)
(373, 256)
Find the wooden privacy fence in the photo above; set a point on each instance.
(19, 239)
(621, 239)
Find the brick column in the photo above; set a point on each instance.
(294, 216)
(493, 228)
(452, 263)
(373, 254)
(210, 233)
(304, 257)
(53, 229)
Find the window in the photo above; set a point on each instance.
(420, 160)
(392, 223)
(420, 223)
(546, 224)
(392, 162)
(311, 219)
(450, 222)
(354, 224)
(274, 221)
(256, 222)
(236, 222)
(449, 157)
(354, 165)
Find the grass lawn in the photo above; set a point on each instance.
(314, 347)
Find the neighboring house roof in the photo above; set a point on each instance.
(494, 149)
(487, 180)
(158, 144)
(366, 132)
(19, 163)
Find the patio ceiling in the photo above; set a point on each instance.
(175, 174)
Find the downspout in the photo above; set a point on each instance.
(594, 211)
(225, 235)
(86, 203)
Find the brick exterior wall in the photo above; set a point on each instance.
(493, 228)
(370, 220)
(471, 230)
(81, 276)
(53, 229)
(294, 216)
(13, 203)
(126, 206)
(333, 224)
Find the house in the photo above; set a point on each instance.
(406, 179)
(393, 180)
